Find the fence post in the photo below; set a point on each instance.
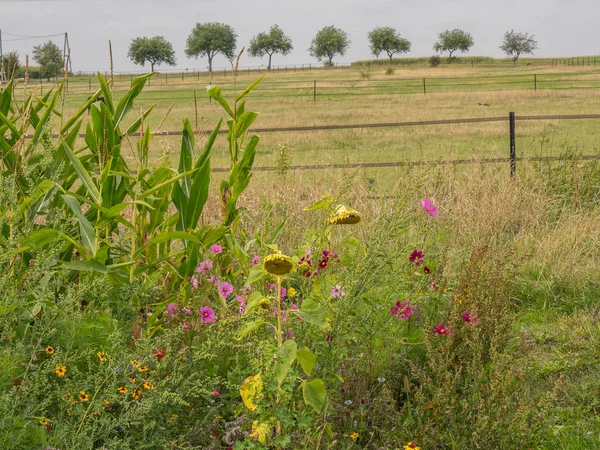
(315, 91)
(535, 82)
(90, 84)
(513, 144)
(424, 87)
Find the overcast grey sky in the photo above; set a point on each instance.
(561, 27)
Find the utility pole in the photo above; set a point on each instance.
(1, 58)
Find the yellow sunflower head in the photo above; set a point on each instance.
(344, 216)
(278, 264)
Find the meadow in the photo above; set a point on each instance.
(149, 303)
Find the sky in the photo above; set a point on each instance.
(562, 27)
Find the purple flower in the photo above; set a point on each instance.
(256, 260)
(283, 292)
(225, 289)
(402, 310)
(429, 207)
(442, 330)
(295, 307)
(348, 402)
(207, 314)
(470, 317)
(195, 283)
(172, 309)
(217, 249)
(204, 266)
(381, 379)
(337, 291)
(240, 299)
(417, 258)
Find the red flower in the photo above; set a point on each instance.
(417, 258)
(426, 270)
(442, 330)
(470, 317)
(159, 353)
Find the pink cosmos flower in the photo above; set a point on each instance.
(214, 280)
(215, 248)
(256, 260)
(195, 282)
(417, 258)
(470, 317)
(207, 314)
(337, 291)
(204, 266)
(240, 299)
(442, 330)
(215, 393)
(225, 289)
(283, 292)
(402, 310)
(172, 309)
(295, 307)
(242, 308)
(186, 326)
(189, 311)
(429, 207)
(246, 289)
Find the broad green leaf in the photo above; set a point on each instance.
(256, 301)
(314, 394)
(321, 205)
(314, 316)
(248, 89)
(138, 123)
(42, 237)
(256, 273)
(5, 98)
(80, 112)
(167, 237)
(215, 92)
(159, 186)
(108, 99)
(244, 122)
(278, 231)
(249, 328)
(86, 266)
(39, 128)
(251, 391)
(85, 177)
(286, 355)
(88, 234)
(126, 102)
(306, 359)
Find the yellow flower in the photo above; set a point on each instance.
(101, 356)
(148, 386)
(411, 446)
(105, 404)
(132, 380)
(344, 216)
(122, 390)
(354, 435)
(292, 292)
(142, 369)
(458, 299)
(69, 411)
(136, 394)
(278, 264)
(60, 371)
(259, 431)
(49, 350)
(83, 396)
(135, 363)
(44, 422)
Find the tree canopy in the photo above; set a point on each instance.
(517, 44)
(275, 41)
(453, 40)
(50, 59)
(209, 39)
(10, 65)
(328, 42)
(387, 39)
(155, 50)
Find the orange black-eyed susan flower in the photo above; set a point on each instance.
(102, 356)
(49, 350)
(60, 371)
(354, 435)
(131, 380)
(122, 390)
(411, 446)
(142, 369)
(136, 394)
(105, 404)
(148, 386)
(83, 396)
(135, 363)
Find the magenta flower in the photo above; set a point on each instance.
(429, 207)
(417, 258)
(246, 289)
(283, 292)
(242, 308)
(225, 289)
(207, 314)
(402, 310)
(337, 291)
(186, 326)
(470, 317)
(442, 330)
(188, 310)
(195, 282)
(215, 393)
(295, 307)
(204, 267)
(172, 309)
(215, 248)
(256, 260)
(329, 339)
(240, 299)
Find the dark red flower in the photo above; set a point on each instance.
(417, 258)
(159, 353)
(426, 270)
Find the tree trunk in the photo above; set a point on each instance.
(210, 58)
(152, 65)
(391, 56)
(269, 67)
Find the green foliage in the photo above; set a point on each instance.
(10, 66)
(387, 39)
(517, 44)
(275, 41)
(328, 42)
(155, 50)
(209, 39)
(50, 59)
(435, 61)
(453, 40)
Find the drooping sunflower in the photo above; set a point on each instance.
(344, 216)
(278, 264)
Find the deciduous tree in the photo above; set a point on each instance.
(453, 40)
(275, 41)
(387, 39)
(209, 39)
(328, 42)
(50, 59)
(10, 65)
(155, 50)
(517, 44)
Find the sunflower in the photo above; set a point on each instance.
(49, 350)
(344, 216)
(278, 264)
(83, 396)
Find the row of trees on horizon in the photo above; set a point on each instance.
(210, 39)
